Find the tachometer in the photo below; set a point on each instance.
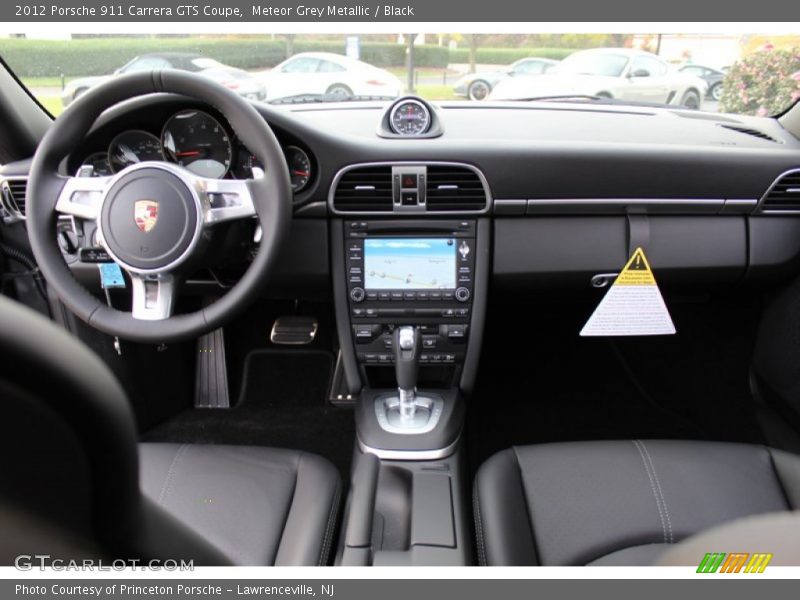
(196, 140)
(299, 167)
(132, 147)
(410, 117)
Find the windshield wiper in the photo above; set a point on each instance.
(311, 98)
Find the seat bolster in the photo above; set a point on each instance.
(311, 523)
(502, 525)
(632, 556)
(787, 468)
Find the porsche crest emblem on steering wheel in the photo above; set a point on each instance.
(145, 213)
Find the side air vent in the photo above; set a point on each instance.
(14, 191)
(454, 188)
(784, 195)
(749, 131)
(364, 189)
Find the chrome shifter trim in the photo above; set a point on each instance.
(436, 454)
(430, 405)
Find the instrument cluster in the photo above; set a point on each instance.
(198, 141)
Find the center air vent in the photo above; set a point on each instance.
(14, 193)
(454, 188)
(784, 195)
(364, 189)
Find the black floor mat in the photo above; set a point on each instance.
(283, 405)
(551, 385)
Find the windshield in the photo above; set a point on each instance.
(590, 63)
(742, 74)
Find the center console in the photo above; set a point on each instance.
(410, 297)
(410, 272)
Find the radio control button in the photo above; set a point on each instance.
(462, 294)
(456, 332)
(357, 294)
(384, 296)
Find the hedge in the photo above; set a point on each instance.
(100, 56)
(504, 56)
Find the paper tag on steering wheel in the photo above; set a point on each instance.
(111, 276)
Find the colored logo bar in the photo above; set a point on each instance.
(736, 562)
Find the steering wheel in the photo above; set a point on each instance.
(155, 218)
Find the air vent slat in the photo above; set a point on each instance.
(367, 189)
(453, 188)
(784, 195)
(15, 195)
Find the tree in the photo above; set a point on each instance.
(474, 41)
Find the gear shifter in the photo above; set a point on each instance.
(408, 411)
(407, 346)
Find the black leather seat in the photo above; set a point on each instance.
(258, 506)
(74, 478)
(621, 502)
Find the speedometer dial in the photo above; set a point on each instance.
(410, 117)
(196, 140)
(132, 147)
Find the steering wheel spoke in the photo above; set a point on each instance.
(82, 196)
(226, 199)
(153, 296)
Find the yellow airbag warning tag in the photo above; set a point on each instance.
(632, 306)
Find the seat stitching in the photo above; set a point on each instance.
(653, 489)
(660, 491)
(167, 485)
(328, 536)
(476, 508)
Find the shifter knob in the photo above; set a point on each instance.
(407, 346)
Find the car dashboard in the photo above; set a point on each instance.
(568, 187)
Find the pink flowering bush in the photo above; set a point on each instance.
(765, 83)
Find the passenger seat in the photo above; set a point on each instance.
(623, 502)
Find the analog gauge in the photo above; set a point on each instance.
(132, 147)
(99, 163)
(410, 117)
(197, 141)
(299, 167)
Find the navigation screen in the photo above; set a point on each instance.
(409, 264)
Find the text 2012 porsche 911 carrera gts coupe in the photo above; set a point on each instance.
(372, 331)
